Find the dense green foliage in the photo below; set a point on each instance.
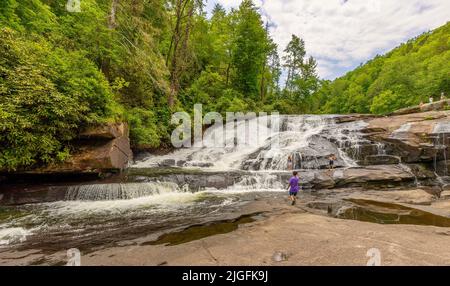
(61, 72)
(140, 61)
(45, 94)
(404, 77)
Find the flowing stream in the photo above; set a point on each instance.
(308, 139)
(101, 213)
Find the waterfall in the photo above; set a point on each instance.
(440, 145)
(111, 192)
(381, 148)
(308, 139)
(441, 132)
(407, 169)
(261, 181)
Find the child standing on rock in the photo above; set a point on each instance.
(293, 187)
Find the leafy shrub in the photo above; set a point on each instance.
(45, 99)
(143, 128)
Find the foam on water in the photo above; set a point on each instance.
(166, 200)
(13, 235)
(106, 192)
(97, 207)
(267, 147)
(258, 182)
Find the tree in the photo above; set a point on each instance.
(403, 77)
(46, 98)
(178, 53)
(293, 60)
(222, 37)
(275, 73)
(250, 50)
(302, 79)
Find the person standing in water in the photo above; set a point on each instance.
(293, 187)
(290, 164)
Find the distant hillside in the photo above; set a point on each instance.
(403, 77)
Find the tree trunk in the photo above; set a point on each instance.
(178, 47)
(112, 16)
(262, 87)
(228, 73)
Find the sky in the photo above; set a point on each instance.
(342, 34)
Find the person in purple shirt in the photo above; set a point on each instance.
(294, 187)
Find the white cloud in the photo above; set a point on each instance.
(341, 34)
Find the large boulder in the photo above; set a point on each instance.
(411, 196)
(383, 176)
(107, 131)
(99, 148)
(415, 137)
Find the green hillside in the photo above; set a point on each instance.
(64, 68)
(62, 71)
(405, 76)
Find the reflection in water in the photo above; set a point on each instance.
(196, 232)
(390, 213)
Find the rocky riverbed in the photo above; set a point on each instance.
(266, 230)
(219, 206)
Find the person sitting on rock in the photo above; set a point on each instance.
(293, 187)
(431, 99)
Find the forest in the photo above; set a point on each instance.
(405, 76)
(140, 61)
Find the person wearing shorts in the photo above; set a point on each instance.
(332, 158)
(293, 187)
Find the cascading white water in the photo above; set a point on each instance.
(265, 148)
(407, 169)
(441, 131)
(441, 148)
(110, 192)
(308, 139)
(258, 182)
(381, 148)
(13, 235)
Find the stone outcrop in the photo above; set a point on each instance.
(381, 160)
(101, 148)
(98, 149)
(412, 137)
(99, 152)
(380, 176)
(435, 106)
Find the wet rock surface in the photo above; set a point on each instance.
(415, 212)
(396, 197)
(415, 138)
(379, 176)
(381, 160)
(311, 240)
